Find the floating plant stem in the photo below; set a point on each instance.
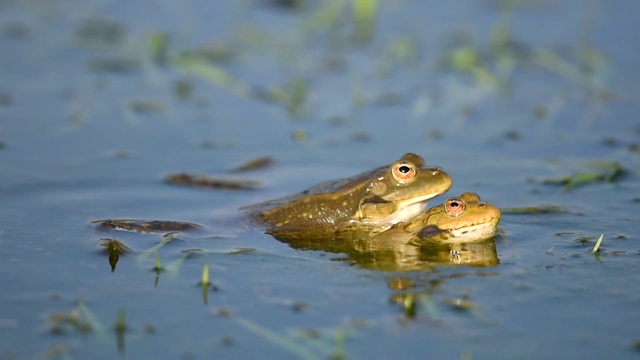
(174, 266)
(167, 238)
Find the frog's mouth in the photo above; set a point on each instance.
(473, 232)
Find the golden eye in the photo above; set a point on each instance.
(404, 171)
(454, 206)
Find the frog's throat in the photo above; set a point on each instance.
(389, 213)
(476, 232)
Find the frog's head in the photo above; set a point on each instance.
(401, 191)
(461, 219)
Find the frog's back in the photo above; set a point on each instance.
(322, 204)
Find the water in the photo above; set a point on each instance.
(76, 150)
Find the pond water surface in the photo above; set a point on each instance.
(100, 100)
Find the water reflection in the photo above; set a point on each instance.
(400, 252)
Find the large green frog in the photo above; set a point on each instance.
(457, 220)
(372, 201)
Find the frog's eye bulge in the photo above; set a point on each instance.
(404, 171)
(454, 206)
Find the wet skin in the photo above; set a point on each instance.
(459, 231)
(460, 219)
(372, 201)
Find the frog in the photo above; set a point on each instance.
(372, 201)
(461, 219)
(459, 231)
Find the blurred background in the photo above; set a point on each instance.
(530, 103)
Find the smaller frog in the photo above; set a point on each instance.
(458, 220)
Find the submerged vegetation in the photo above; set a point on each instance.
(81, 320)
(146, 226)
(603, 171)
(206, 181)
(540, 209)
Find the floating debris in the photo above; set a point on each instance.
(147, 106)
(183, 89)
(300, 136)
(200, 180)
(15, 31)
(222, 311)
(287, 4)
(584, 239)
(114, 248)
(540, 209)
(100, 31)
(254, 164)
(5, 99)
(460, 304)
(607, 172)
(117, 65)
(147, 226)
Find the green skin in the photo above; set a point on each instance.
(373, 201)
(458, 220)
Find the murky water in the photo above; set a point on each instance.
(99, 101)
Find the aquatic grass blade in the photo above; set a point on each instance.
(215, 75)
(277, 339)
(205, 275)
(167, 238)
(95, 324)
(364, 15)
(596, 247)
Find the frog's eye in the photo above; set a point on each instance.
(454, 206)
(404, 171)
